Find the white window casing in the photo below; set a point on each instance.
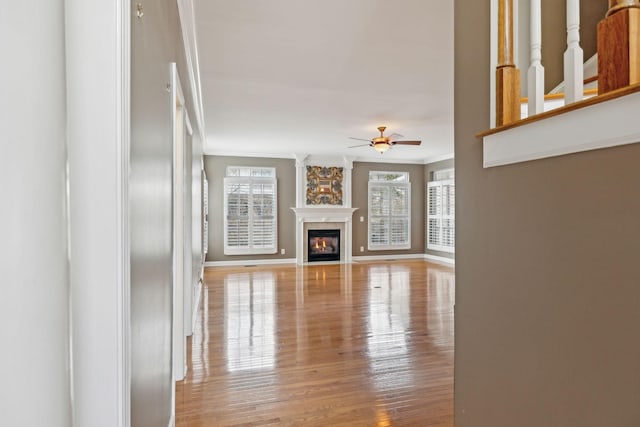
(250, 211)
(389, 211)
(441, 215)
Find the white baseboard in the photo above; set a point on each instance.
(440, 259)
(387, 257)
(432, 258)
(247, 262)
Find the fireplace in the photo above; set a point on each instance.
(323, 245)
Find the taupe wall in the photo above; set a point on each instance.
(428, 170)
(547, 278)
(360, 179)
(155, 42)
(215, 167)
(285, 170)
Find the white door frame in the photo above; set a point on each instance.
(98, 69)
(188, 229)
(179, 340)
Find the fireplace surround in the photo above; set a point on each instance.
(323, 219)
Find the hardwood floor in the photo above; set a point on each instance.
(366, 344)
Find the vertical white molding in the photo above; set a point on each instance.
(348, 247)
(535, 88)
(300, 200)
(179, 341)
(573, 57)
(347, 191)
(98, 107)
(123, 103)
(187, 26)
(301, 179)
(189, 277)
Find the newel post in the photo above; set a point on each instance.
(619, 46)
(573, 56)
(507, 75)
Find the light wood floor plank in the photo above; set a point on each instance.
(366, 344)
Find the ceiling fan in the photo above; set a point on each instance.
(383, 143)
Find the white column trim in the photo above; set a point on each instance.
(347, 191)
(187, 26)
(124, 291)
(98, 52)
(300, 179)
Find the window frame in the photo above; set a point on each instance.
(440, 216)
(250, 175)
(388, 185)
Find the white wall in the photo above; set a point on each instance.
(34, 360)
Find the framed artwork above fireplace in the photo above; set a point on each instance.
(324, 185)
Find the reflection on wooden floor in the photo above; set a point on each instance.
(366, 344)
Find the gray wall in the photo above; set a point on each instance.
(428, 170)
(360, 180)
(156, 42)
(285, 169)
(215, 167)
(34, 306)
(547, 295)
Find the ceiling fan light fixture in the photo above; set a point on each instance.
(381, 146)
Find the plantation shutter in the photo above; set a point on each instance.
(264, 219)
(389, 211)
(441, 215)
(250, 213)
(399, 215)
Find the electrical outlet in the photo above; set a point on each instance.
(361, 248)
(282, 251)
(361, 219)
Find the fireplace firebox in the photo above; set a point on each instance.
(324, 245)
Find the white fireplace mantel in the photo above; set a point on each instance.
(324, 214)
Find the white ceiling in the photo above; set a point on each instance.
(301, 76)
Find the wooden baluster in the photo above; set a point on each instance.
(507, 75)
(535, 83)
(573, 56)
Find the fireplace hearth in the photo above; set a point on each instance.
(323, 245)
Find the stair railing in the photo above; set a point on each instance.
(618, 32)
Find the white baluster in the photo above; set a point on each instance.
(573, 57)
(535, 84)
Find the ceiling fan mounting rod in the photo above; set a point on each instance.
(381, 129)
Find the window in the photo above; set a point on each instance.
(389, 210)
(441, 196)
(250, 204)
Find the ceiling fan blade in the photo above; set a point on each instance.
(361, 145)
(360, 139)
(394, 136)
(407, 142)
